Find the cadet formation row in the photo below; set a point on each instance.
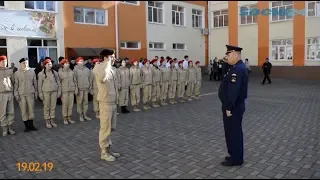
(158, 84)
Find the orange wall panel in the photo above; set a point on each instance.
(132, 27)
(83, 35)
(298, 35)
(233, 22)
(263, 33)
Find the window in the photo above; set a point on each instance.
(220, 18)
(41, 5)
(156, 46)
(130, 45)
(3, 47)
(248, 19)
(313, 48)
(279, 9)
(131, 2)
(155, 12)
(1, 3)
(89, 16)
(178, 15)
(282, 49)
(39, 49)
(313, 8)
(179, 46)
(196, 18)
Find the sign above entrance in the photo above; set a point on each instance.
(27, 24)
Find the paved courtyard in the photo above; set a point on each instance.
(281, 131)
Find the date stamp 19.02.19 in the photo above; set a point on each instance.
(34, 166)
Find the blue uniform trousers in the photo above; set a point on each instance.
(233, 132)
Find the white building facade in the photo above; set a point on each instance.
(32, 29)
(174, 29)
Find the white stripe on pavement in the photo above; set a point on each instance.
(208, 94)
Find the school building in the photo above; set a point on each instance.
(292, 44)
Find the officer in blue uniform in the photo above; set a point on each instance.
(233, 93)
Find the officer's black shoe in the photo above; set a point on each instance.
(122, 109)
(26, 124)
(31, 127)
(126, 110)
(230, 163)
(227, 158)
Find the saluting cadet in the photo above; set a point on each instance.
(49, 89)
(94, 90)
(165, 73)
(124, 87)
(147, 84)
(197, 85)
(191, 80)
(233, 93)
(173, 78)
(25, 91)
(6, 96)
(83, 81)
(156, 81)
(107, 97)
(69, 89)
(182, 81)
(135, 85)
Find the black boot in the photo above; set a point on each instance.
(31, 127)
(125, 109)
(122, 109)
(26, 125)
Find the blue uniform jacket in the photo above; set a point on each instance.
(233, 89)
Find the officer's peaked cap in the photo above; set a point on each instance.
(233, 49)
(22, 60)
(106, 52)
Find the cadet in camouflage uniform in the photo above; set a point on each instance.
(25, 91)
(124, 87)
(165, 73)
(69, 89)
(94, 90)
(83, 81)
(49, 89)
(182, 81)
(147, 84)
(135, 85)
(156, 81)
(197, 85)
(173, 78)
(6, 96)
(191, 80)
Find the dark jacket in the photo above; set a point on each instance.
(267, 67)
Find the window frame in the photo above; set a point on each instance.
(280, 6)
(4, 4)
(175, 49)
(126, 2)
(316, 59)
(6, 46)
(41, 10)
(278, 50)
(201, 18)
(157, 49)
(183, 13)
(126, 46)
(157, 8)
(317, 14)
(223, 16)
(43, 46)
(248, 6)
(95, 16)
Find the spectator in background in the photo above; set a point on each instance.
(89, 64)
(13, 67)
(72, 63)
